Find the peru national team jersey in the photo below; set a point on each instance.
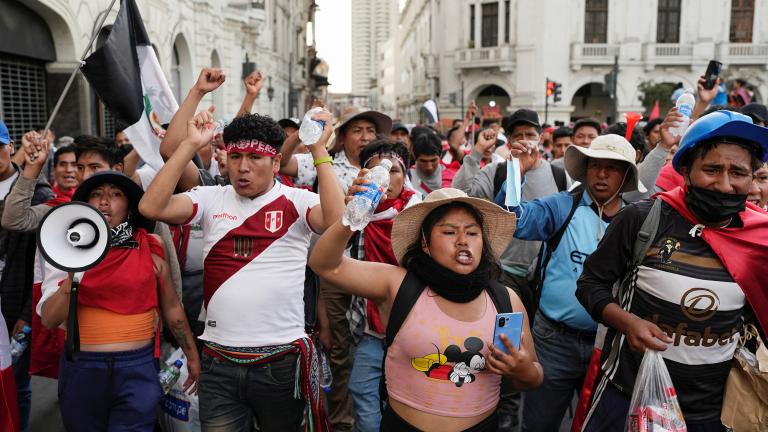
(254, 258)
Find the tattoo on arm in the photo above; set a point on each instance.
(182, 333)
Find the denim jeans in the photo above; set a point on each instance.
(23, 388)
(564, 355)
(364, 383)
(231, 395)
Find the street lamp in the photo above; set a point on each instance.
(270, 90)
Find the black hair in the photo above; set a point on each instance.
(580, 123)
(451, 131)
(62, 151)
(105, 148)
(428, 145)
(255, 127)
(435, 216)
(561, 132)
(385, 146)
(637, 139)
(418, 131)
(490, 121)
(652, 124)
(702, 148)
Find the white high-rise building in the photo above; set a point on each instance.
(373, 21)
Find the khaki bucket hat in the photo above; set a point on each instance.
(382, 122)
(609, 146)
(498, 224)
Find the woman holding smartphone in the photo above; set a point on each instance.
(442, 371)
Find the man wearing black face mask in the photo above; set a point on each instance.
(696, 281)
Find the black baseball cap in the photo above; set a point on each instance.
(521, 116)
(289, 122)
(758, 112)
(400, 126)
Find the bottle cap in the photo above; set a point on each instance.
(178, 363)
(26, 329)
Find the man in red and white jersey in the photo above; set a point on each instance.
(256, 235)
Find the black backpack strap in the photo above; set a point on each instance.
(560, 179)
(554, 241)
(500, 296)
(499, 178)
(409, 291)
(647, 233)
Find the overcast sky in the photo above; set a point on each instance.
(334, 28)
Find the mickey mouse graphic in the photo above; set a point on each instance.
(465, 363)
(666, 250)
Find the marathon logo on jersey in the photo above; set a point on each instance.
(251, 146)
(273, 221)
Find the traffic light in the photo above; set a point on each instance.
(557, 91)
(550, 88)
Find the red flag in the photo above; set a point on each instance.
(632, 119)
(654, 111)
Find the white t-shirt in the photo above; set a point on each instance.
(255, 253)
(5, 185)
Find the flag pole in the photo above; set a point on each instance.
(77, 68)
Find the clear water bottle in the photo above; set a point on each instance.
(311, 130)
(363, 204)
(326, 377)
(684, 106)
(19, 343)
(170, 375)
(219, 125)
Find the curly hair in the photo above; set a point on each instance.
(255, 127)
(385, 146)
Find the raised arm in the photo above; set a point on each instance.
(253, 84)
(331, 196)
(288, 164)
(159, 202)
(18, 213)
(208, 81)
(352, 276)
(470, 178)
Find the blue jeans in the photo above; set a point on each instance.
(564, 355)
(231, 395)
(364, 383)
(23, 389)
(110, 391)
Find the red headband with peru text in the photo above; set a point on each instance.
(251, 146)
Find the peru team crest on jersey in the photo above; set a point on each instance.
(273, 221)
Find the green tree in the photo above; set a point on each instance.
(653, 92)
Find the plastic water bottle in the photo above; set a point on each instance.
(684, 106)
(170, 375)
(19, 343)
(326, 377)
(311, 130)
(219, 125)
(363, 204)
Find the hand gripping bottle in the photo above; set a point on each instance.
(361, 208)
(311, 130)
(684, 106)
(19, 343)
(169, 376)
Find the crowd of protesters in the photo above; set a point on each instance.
(235, 252)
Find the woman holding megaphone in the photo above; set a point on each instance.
(112, 382)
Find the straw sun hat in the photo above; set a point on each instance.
(498, 224)
(609, 146)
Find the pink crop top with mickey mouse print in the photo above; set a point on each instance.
(437, 364)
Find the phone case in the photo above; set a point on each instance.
(510, 325)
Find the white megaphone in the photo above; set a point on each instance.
(74, 237)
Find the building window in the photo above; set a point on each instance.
(742, 16)
(22, 94)
(471, 26)
(507, 18)
(668, 21)
(596, 21)
(490, 24)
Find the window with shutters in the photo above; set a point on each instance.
(596, 21)
(490, 24)
(668, 21)
(22, 94)
(742, 16)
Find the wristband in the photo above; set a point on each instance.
(322, 160)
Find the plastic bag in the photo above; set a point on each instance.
(654, 406)
(179, 411)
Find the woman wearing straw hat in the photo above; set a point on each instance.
(112, 383)
(441, 370)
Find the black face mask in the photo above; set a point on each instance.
(712, 206)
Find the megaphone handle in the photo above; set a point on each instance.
(72, 344)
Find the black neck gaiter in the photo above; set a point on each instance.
(452, 286)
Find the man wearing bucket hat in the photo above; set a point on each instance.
(688, 294)
(571, 224)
